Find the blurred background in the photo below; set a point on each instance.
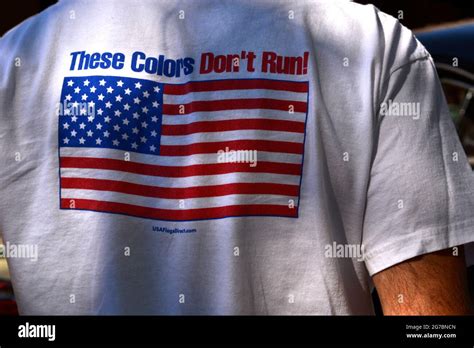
(445, 27)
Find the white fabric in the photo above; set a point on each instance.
(390, 183)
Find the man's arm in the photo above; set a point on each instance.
(431, 284)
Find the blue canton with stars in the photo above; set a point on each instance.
(111, 112)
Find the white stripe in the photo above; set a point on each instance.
(262, 156)
(234, 94)
(191, 181)
(176, 204)
(234, 115)
(253, 134)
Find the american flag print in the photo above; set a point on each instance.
(148, 149)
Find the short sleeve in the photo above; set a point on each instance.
(420, 196)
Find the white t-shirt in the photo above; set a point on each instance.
(221, 157)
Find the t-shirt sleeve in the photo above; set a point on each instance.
(420, 196)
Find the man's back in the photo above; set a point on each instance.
(221, 157)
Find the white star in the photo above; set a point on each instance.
(118, 113)
(84, 96)
(143, 139)
(126, 122)
(153, 133)
(68, 97)
(75, 104)
(144, 124)
(145, 110)
(116, 127)
(67, 112)
(120, 83)
(138, 85)
(86, 83)
(156, 89)
(100, 97)
(91, 104)
(118, 98)
(154, 119)
(73, 133)
(100, 112)
(70, 83)
(115, 142)
(66, 141)
(108, 105)
(102, 82)
(74, 118)
(82, 125)
(98, 126)
(90, 133)
(134, 145)
(136, 115)
(126, 107)
(106, 134)
(135, 130)
(83, 112)
(98, 141)
(77, 90)
(128, 91)
(66, 125)
(82, 140)
(90, 118)
(110, 90)
(107, 119)
(146, 94)
(93, 89)
(136, 100)
(125, 136)
(155, 104)
(152, 148)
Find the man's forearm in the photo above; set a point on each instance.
(432, 284)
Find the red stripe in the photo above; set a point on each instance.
(230, 125)
(214, 147)
(176, 171)
(232, 104)
(179, 193)
(179, 215)
(206, 86)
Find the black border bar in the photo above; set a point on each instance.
(192, 330)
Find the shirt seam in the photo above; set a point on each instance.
(430, 232)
